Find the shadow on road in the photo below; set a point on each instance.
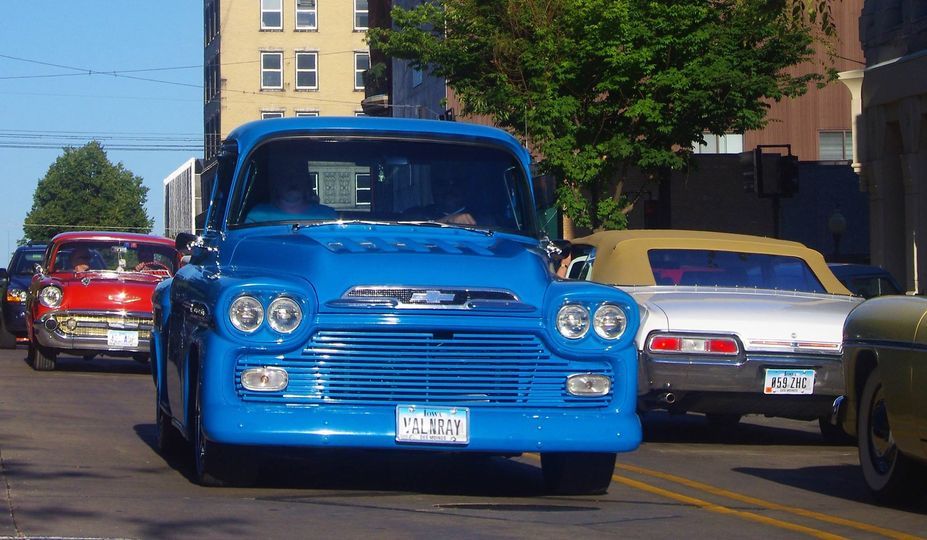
(840, 481)
(663, 427)
(379, 471)
(94, 364)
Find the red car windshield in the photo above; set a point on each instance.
(114, 256)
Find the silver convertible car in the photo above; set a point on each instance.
(730, 324)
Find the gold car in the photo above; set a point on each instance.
(885, 363)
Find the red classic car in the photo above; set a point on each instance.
(93, 295)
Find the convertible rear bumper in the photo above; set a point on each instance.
(736, 385)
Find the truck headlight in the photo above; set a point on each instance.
(51, 296)
(246, 313)
(284, 315)
(609, 321)
(573, 321)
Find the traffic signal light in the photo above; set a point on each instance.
(769, 175)
(750, 169)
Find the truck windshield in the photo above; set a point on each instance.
(298, 180)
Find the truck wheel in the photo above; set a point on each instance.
(43, 359)
(169, 441)
(892, 477)
(7, 339)
(217, 465)
(577, 473)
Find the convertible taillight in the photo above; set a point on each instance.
(670, 343)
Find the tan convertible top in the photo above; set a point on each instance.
(621, 256)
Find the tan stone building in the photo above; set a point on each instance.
(892, 134)
(273, 58)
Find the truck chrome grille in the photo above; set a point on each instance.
(440, 367)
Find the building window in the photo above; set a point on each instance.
(307, 113)
(361, 64)
(835, 145)
(362, 183)
(210, 22)
(729, 143)
(314, 178)
(271, 71)
(271, 14)
(271, 114)
(360, 14)
(417, 77)
(306, 15)
(307, 73)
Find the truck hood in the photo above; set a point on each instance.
(106, 291)
(764, 320)
(338, 257)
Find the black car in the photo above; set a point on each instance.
(866, 280)
(14, 285)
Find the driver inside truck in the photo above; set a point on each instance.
(292, 196)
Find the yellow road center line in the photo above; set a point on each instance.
(766, 504)
(712, 507)
(706, 505)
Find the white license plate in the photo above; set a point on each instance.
(122, 338)
(789, 381)
(438, 425)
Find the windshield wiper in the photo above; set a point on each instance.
(478, 230)
(441, 224)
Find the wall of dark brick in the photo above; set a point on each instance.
(711, 196)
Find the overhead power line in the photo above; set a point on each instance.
(136, 147)
(86, 227)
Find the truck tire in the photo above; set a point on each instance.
(217, 465)
(577, 473)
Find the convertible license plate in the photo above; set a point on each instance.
(122, 338)
(789, 381)
(437, 425)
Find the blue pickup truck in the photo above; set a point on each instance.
(382, 284)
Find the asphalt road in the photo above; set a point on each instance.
(77, 461)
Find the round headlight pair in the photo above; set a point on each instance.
(609, 321)
(51, 296)
(247, 314)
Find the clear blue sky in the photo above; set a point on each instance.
(45, 103)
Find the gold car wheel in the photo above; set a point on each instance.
(890, 475)
(882, 446)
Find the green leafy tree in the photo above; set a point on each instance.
(83, 190)
(599, 88)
